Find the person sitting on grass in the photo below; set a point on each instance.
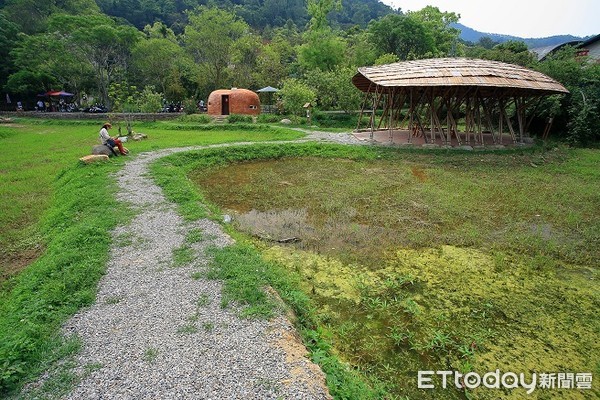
(111, 141)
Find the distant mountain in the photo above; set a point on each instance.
(471, 35)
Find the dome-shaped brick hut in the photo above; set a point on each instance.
(234, 101)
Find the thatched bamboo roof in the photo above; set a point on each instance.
(444, 73)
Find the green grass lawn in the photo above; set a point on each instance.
(35, 151)
(55, 224)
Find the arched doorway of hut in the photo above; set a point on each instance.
(225, 104)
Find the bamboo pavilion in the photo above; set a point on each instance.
(452, 101)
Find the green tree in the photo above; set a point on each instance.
(107, 48)
(245, 53)
(486, 42)
(386, 59)
(32, 15)
(323, 50)
(438, 24)
(143, 12)
(512, 46)
(28, 83)
(334, 89)
(294, 94)
(159, 31)
(8, 40)
(403, 36)
(122, 97)
(159, 62)
(318, 11)
(360, 49)
(512, 52)
(209, 39)
(585, 118)
(579, 112)
(50, 54)
(270, 69)
(280, 13)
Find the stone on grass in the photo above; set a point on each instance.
(139, 136)
(285, 121)
(94, 158)
(102, 150)
(465, 147)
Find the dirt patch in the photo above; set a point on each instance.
(419, 174)
(302, 371)
(13, 263)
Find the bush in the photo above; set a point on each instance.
(584, 123)
(269, 118)
(189, 106)
(149, 101)
(195, 118)
(294, 94)
(239, 118)
(578, 113)
(337, 120)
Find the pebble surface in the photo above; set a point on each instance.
(157, 333)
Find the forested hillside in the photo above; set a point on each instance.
(257, 13)
(135, 55)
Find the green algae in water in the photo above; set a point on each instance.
(450, 309)
(396, 298)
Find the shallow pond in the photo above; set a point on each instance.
(414, 267)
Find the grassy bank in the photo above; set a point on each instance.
(76, 232)
(416, 260)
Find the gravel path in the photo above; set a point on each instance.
(157, 333)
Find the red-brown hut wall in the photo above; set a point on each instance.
(234, 101)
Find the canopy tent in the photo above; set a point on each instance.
(60, 93)
(270, 90)
(432, 95)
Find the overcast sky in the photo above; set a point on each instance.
(523, 18)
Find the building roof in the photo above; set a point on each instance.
(443, 73)
(591, 40)
(542, 52)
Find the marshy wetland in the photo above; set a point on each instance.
(433, 261)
